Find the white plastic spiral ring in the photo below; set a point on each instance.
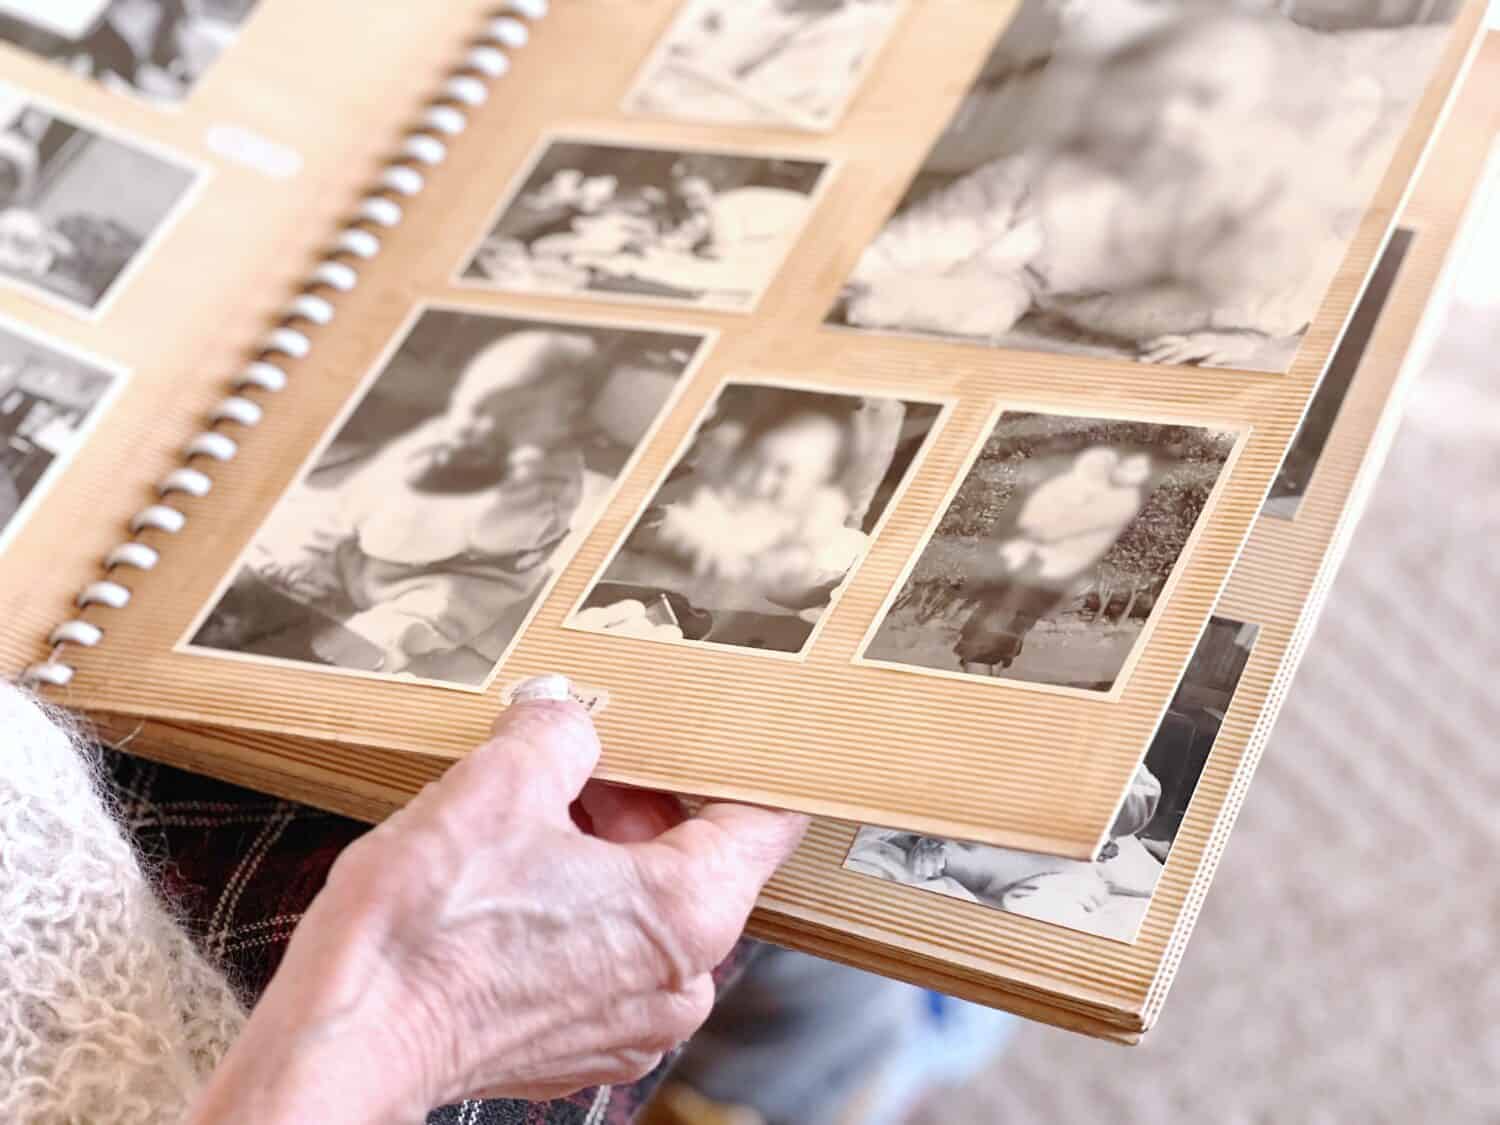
(212, 444)
(76, 632)
(157, 517)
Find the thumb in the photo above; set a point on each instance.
(733, 849)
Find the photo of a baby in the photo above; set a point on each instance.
(435, 516)
(1164, 181)
(761, 520)
(1055, 552)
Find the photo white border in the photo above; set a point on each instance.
(201, 173)
(792, 119)
(708, 339)
(1008, 406)
(120, 376)
(831, 165)
(945, 404)
(1135, 935)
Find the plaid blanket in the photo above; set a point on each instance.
(242, 867)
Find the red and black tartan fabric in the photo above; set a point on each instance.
(242, 867)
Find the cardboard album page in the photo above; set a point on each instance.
(874, 439)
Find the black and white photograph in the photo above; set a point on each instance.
(157, 49)
(1109, 895)
(432, 521)
(1049, 561)
(78, 208)
(792, 64)
(1163, 181)
(50, 398)
(761, 519)
(1296, 471)
(679, 226)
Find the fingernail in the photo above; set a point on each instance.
(535, 689)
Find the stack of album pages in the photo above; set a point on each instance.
(943, 417)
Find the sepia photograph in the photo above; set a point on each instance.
(678, 226)
(780, 63)
(761, 520)
(1164, 181)
(157, 49)
(78, 208)
(431, 522)
(1109, 896)
(1048, 563)
(1301, 459)
(50, 397)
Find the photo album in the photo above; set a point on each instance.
(941, 417)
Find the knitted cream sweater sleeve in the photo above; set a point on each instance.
(108, 1015)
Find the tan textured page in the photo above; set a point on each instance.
(278, 132)
(1078, 981)
(730, 723)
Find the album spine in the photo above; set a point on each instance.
(424, 145)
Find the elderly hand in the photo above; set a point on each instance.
(481, 943)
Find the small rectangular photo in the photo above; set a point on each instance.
(679, 226)
(1054, 553)
(50, 398)
(1108, 896)
(78, 208)
(792, 64)
(434, 517)
(1162, 181)
(157, 49)
(1302, 456)
(762, 518)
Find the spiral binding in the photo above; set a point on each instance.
(423, 147)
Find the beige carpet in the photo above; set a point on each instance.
(1347, 964)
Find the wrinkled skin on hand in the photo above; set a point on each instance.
(497, 939)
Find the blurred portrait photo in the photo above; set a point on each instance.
(761, 520)
(436, 515)
(1166, 181)
(1055, 551)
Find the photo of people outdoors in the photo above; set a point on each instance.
(790, 63)
(155, 48)
(49, 398)
(680, 226)
(434, 518)
(761, 521)
(77, 208)
(1055, 551)
(1165, 181)
(1110, 894)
